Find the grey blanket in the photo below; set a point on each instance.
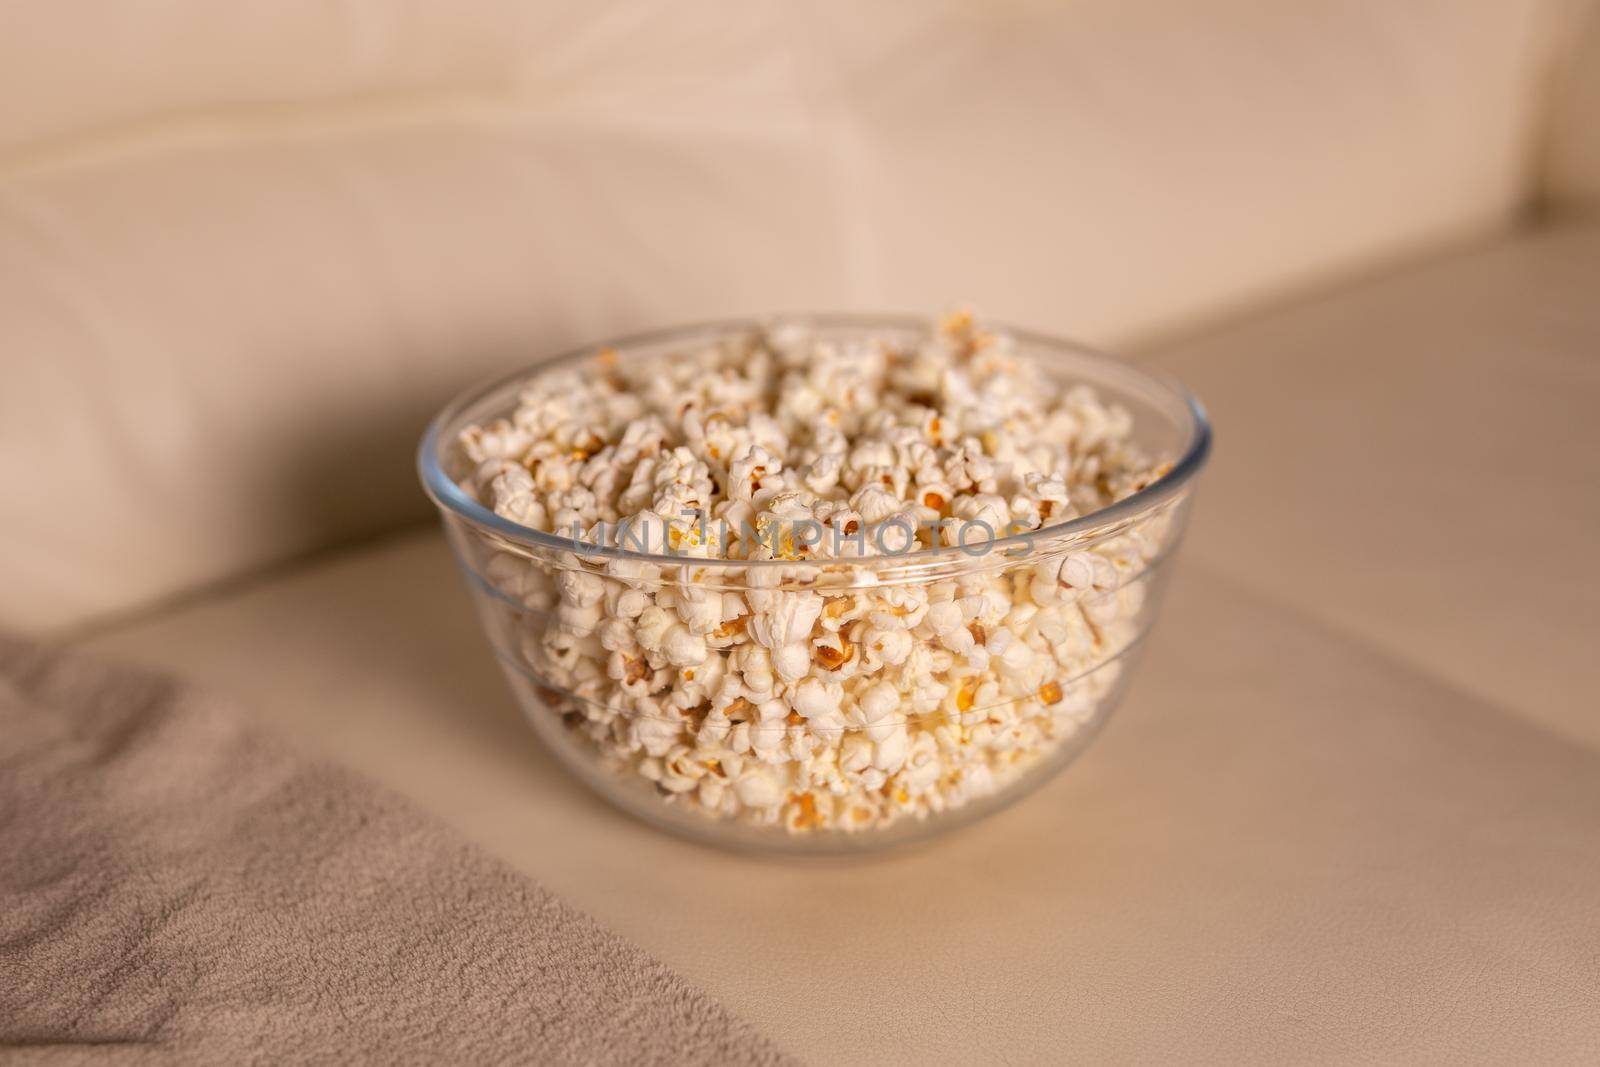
(177, 887)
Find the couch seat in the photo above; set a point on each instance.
(1349, 810)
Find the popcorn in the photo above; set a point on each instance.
(683, 648)
(889, 754)
(771, 664)
(878, 702)
(792, 662)
(815, 698)
(789, 621)
(757, 788)
(885, 647)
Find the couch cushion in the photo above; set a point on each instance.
(1413, 460)
(117, 70)
(1324, 826)
(1287, 845)
(1571, 162)
(224, 321)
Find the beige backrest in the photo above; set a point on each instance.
(1571, 166)
(245, 249)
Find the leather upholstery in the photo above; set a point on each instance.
(234, 282)
(1411, 460)
(1347, 813)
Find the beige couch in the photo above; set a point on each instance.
(1351, 809)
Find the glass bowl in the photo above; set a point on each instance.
(1074, 600)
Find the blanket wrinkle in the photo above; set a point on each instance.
(177, 887)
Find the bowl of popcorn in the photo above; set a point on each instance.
(818, 583)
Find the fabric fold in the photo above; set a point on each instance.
(177, 885)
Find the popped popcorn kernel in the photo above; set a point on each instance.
(759, 651)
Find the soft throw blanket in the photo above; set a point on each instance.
(177, 887)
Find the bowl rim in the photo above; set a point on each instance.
(448, 496)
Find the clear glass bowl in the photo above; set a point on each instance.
(1081, 595)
